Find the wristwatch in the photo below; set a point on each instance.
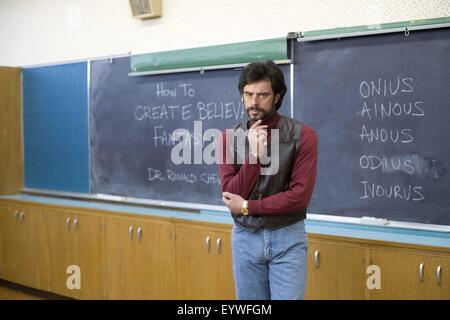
(244, 209)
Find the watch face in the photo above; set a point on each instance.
(244, 211)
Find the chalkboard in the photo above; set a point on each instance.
(381, 107)
(55, 120)
(133, 118)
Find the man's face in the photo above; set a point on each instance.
(259, 100)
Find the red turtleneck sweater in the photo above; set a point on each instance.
(302, 179)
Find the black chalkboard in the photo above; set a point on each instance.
(132, 119)
(381, 107)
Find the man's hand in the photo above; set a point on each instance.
(233, 202)
(257, 139)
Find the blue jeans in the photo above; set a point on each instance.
(270, 264)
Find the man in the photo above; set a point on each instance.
(269, 244)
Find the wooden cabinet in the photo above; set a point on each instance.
(76, 254)
(11, 160)
(339, 270)
(122, 256)
(411, 274)
(24, 246)
(140, 259)
(336, 270)
(203, 263)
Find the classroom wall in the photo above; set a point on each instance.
(47, 31)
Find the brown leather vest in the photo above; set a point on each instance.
(267, 185)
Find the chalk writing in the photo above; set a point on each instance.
(173, 176)
(385, 100)
(372, 190)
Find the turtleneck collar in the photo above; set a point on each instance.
(271, 121)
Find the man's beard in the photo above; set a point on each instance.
(255, 113)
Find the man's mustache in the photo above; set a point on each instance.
(251, 108)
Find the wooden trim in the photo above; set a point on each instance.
(11, 141)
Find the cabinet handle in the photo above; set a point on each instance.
(438, 275)
(316, 258)
(219, 245)
(130, 232)
(421, 270)
(22, 216)
(75, 223)
(16, 215)
(139, 233)
(68, 223)
(208, 243)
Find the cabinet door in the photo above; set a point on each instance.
(7, 234)
(439, 278)
(3, 210)
(121, 262)
(224, 278)
(24, 247)
(203, 267)
(335, 271)
(34, 250)
(12, 251)
(140, 259)
(61, 251)
(89, 255)
(401, 275)
(155, 250)
(195, 263)
(76, 241)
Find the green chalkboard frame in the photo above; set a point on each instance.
(211, 57)
(373, 29)
(239, 54)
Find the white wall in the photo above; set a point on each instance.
(48, 31)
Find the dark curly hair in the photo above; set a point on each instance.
(264, 70)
